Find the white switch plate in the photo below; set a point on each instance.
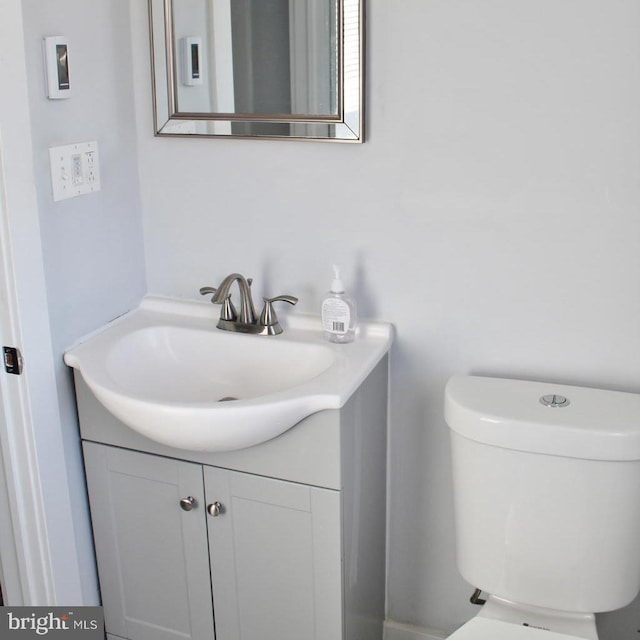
(75, 170)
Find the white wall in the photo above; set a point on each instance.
(92, 246)
(492, 215)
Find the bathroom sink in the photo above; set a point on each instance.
(165, 371)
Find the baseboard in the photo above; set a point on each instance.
(398, 631)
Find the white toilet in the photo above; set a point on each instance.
(547, 504)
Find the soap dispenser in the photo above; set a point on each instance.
(339, 313)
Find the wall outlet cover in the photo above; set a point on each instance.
(75, 170)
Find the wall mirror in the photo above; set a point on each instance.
(258, 68)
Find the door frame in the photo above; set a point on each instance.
(26, 560)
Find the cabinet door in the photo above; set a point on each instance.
(152, 555)
(275, 558)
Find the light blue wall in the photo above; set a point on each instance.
(492, 215)
(92, 245)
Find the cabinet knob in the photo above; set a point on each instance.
(188, 503)
(215, 509)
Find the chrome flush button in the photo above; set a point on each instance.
(554, 400)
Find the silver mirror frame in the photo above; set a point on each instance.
(346, 126)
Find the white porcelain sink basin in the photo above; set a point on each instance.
(165, 371)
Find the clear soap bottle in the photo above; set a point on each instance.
(339, 313)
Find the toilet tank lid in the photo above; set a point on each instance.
(595, 424)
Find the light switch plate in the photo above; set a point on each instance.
(75, 170)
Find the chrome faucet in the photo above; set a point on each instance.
(247, 310)
(246, 321)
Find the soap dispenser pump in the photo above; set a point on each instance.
(339, 313)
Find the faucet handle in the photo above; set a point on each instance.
(268, 319)
(228, 310)
(204, 291)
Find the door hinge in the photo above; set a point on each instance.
(12, 360)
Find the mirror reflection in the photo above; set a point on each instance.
(256, 56)
(257, 68)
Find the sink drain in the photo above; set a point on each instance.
(227, 399)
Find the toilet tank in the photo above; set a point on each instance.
(547, 495)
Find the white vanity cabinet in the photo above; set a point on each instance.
(281, 541)
(167, 532)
